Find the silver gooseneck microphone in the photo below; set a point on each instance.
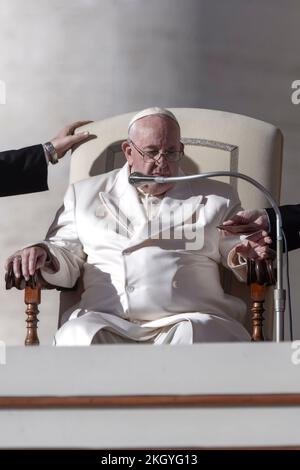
(138, 179)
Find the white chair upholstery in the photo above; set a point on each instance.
(214, 140)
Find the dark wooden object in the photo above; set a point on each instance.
(32, 300)
(149, 401)
(260, 274)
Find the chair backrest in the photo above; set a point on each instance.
(214, 140)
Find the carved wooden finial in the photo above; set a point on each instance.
(32, 300)
(260, 274)
(258, 293)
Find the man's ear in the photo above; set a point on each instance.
(181, 147)
(127, 151)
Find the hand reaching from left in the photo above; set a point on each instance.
(66, 138)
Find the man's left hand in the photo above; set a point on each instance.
(255, 246)
(65, 139)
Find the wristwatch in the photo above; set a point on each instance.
(51, 152)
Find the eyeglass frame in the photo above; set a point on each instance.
(158, 155)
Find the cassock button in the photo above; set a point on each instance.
(130, 289)
(175, 284)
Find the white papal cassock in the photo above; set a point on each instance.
(145, 282)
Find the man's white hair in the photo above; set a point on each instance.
(155, 111)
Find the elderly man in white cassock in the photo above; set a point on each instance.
(149, 255)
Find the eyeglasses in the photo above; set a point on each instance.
(154, 155)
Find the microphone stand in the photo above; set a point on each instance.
(138, 179)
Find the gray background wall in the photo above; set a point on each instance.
(89, 59)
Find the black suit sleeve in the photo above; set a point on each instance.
(23, 171)
(290, 223)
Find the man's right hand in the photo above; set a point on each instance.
(27, 261)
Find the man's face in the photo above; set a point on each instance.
(154, 134)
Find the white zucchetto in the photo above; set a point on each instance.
(152, 112)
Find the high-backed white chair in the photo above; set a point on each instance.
(214, 140)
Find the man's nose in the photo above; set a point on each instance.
(161, 159)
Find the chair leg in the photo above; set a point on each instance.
(32, 300)
(258, 296)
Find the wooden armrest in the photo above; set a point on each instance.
(260, 272)
(35, 282)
